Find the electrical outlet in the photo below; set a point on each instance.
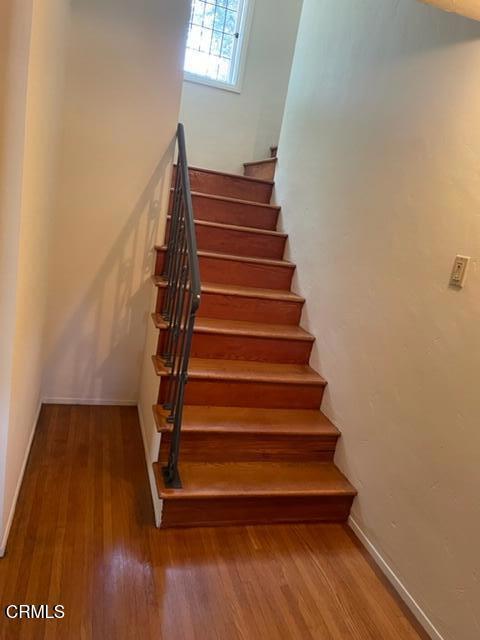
(459, 271)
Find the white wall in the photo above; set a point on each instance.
(33, 54)
(226, 129)
(379, 182)
(123, 86)
(13, 80)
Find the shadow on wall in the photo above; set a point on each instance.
(106, 331)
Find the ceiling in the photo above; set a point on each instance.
(468, 8)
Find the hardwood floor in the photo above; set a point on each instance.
(83, 536)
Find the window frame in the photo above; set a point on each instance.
(239, 56)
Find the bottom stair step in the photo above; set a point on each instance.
(255, 492)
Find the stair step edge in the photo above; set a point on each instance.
(243, 329)
(247, 259)
(252, 203)
(237, 290)
(255, 163)
(338, 486)
(234, 373)
(327, 431)
(238, 228)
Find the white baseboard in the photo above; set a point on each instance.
(3, 546)
(157, 503)
(93, 401)
(396, 583)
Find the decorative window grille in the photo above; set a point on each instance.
(215, 40)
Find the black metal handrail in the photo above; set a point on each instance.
(180, 303)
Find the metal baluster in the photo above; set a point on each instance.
(177, 233)
(178, 333)
(172, 477)
(172, 313)
(174, 216)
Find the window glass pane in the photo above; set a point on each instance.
(212, 71)
(197, 11)
(227, 48)
(220, 18)
(233, 4)
(194, 38)
(216, 49)
(223, 70)
(222, 3)
(196, 62)
(205, 41)
(209, 16)
(231, 22)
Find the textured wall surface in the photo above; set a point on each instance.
(34, 85)
(122, 96)
(379, 179)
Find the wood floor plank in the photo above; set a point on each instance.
(83, 536)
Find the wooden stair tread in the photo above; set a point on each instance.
(249, 259)
(244, 328)
(239, 228)
(242, 479)
(253, 203)
(247, 371)
(260, 162)
(237, 290)
(237, 176)
(250, 420)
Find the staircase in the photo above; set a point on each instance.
(255, 447)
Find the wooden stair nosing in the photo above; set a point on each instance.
(244, 420)
(211, 370)
(270, 262)
(243, 329)
(254, 163)
(241, 291)
(238, 228)
(249, 203)
(256, 479)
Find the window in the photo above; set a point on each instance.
(216, 42)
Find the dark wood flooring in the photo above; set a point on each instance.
(84, 537)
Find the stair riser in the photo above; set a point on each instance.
(240, 273)
(245, 447)
(228, 307)
(239, 243)
(211, 345)
(264, 170)
(237, 213)
(254, 510)
(222, 393)
(230, 186)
